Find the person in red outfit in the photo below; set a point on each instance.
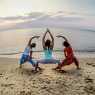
(69, 55)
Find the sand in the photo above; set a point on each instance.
(15, 81)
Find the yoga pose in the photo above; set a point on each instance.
(27, 54)
(48, 49)
(69, 55)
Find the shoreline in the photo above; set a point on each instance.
(57, 55)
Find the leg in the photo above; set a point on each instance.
(34, 64)
(43, 61)
(22, 60)
(37, 66)
(54, 61)
(48, 61)
(64, 62)
(76, 62)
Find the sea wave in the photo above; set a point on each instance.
(41, 51)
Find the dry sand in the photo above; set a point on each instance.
(15, 81)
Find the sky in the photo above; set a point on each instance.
(77, 15)
(22, 7)
(21, 14)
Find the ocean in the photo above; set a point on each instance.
(13, 42)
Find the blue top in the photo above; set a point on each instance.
(48, 54)
(27, 50)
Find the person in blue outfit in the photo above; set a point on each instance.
(27, 54)
(48, 49)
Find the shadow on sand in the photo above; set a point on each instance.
(28, 71)
(71, 72)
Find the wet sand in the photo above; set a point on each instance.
(15, 81)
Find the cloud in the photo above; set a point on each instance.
(38, 19)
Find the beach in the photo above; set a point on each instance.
(63, 30)
(16, 81)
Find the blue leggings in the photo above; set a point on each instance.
(26, 58)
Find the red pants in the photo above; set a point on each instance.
(68, 62)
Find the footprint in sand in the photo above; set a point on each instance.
(88, 80)
(6, 85)
(90, 87)
(22, 93)
(1, 75)
(91, 64)
(25, 93)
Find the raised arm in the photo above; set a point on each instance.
(59, 36)
(43, 39)
(51, 38)
(29, 43)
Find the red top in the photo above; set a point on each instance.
(68, 52)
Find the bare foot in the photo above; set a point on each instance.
(55, 69)
(78, 68)
(20, 66)
(62, 71)
(35, 71)
(40, 68)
